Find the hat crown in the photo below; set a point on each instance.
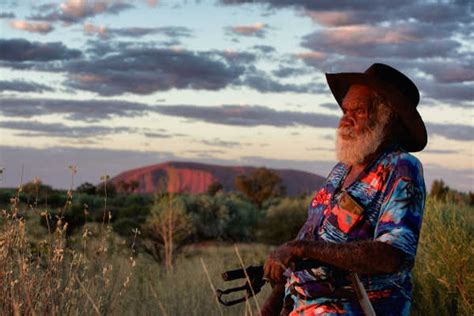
(395, 78)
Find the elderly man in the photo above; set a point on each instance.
(367, 216)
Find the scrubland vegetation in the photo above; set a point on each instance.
(96, 251)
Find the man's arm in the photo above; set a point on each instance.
(274, 303)
(365, 257)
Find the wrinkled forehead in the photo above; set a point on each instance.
(359, 94)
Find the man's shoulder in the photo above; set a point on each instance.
(404, 164)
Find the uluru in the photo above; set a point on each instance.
(194, 178)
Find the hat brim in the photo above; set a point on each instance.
(416, 137)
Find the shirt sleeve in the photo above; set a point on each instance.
(401, 214)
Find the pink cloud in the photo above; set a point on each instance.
(248, 29)
(330, 18)
(41, 27)
(91, 29)
(82, 8)
(366, 34)
(314, 55)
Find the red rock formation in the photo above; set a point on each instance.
(195, 178)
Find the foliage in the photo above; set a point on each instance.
(86, 188)
(128, 186)
(221, 217)
(214, 187)
(283, 220)
(168, 228)
(439, 190)
(260, 185)
(444, 270)
(49, 276)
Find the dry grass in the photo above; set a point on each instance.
(44, 272)
(47, 276)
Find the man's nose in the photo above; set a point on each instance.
(346, 120)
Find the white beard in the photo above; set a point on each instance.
(357, 148)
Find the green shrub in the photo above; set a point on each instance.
(283, 221)
(444, 269)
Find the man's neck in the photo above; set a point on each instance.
(357, 168)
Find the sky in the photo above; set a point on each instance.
(108, 86)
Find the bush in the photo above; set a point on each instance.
(283, 221)
(444, 269)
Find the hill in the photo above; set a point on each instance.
(191, 177)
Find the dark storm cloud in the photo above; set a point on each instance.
(7, 15)
(144, 71)
(83, 110)
(76, 11)
(22, 86)
(19, 50)
(35, 129)
(249, 116)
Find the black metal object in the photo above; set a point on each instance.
(255, 281)
(252, 286)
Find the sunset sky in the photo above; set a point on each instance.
(110, 86)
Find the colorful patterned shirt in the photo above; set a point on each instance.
(385, 203)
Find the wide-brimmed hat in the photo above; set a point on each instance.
(400, 92)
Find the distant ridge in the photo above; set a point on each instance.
(192, 177)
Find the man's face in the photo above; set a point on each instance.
(360, 132)
(356, 107)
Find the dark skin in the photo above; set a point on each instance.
(364, 257)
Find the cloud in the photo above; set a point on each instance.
(257, 30)
(331, 106)
(41, 27)
(90, 29)
(7, 15)
(266, 49)
(286, 72)
(38, 129)
(174, 32)
(221, 143)
(76, 110)
(157, 135)
(22, 86)
(263, 83)
(453, 72)
(147, 70)
(451, 131)
(237, 115)
(440, 151)
(19, 50)
(74, 11)
(403, 41)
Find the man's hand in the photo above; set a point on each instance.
(278, 261)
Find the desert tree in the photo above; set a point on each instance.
(260, 185)
(168, 227)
